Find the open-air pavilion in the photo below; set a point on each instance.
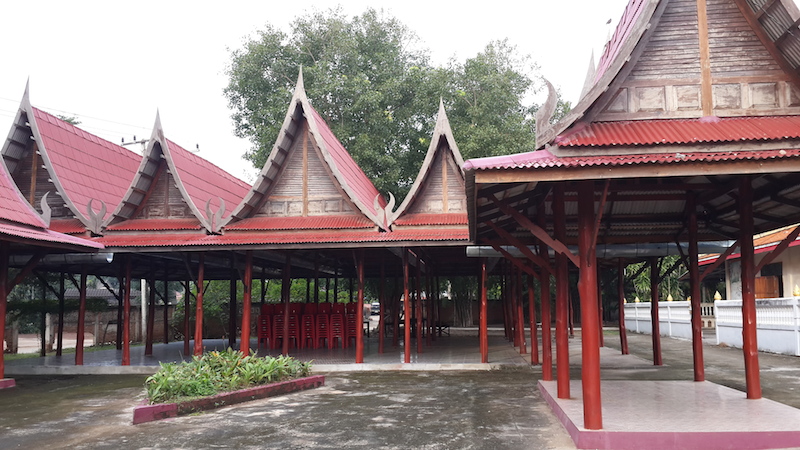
(686, 136)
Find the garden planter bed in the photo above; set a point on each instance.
(149, 413)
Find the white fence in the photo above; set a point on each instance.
(674, 318)
(777, 321)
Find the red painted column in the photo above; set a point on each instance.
(3, 304)
(186, 306)
(484, 327)
(654, 320)
(694, 289)
(382, 310)
(247, 302)
(623, 333)
(81, 319)
(590, 344)
(286, 292)
(126, 315)
(406, 311)
(749, 335)
(198, 309)
(359, 330)
(532, 321)
(520, 313)
(562, 297)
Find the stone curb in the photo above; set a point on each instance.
(149, 413)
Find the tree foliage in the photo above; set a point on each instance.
(371, 80)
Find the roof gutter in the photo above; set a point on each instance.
(65, 258)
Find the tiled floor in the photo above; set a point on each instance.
(462, 349)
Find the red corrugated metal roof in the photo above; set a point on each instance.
(283, 238)
(543, 159)
(432, 219)
(12, 206)
(621, 33)
(302, 223)
(354, 176)
(203, 180)
(86, 166)
(681, 131)
(68, 226)
(156, 225)
(45, 236)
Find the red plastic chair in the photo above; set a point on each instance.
(308, 331)
(351, 328)
(277, 330)
(351, 308)
(337, 308)
(337, 330)
(324, 308)
(323, 330)
(264, 330)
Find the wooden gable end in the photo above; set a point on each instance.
(163, 200)
(443, 189)
(667, 77)
(29, 172)
(305, 186)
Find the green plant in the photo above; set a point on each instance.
(216, 372)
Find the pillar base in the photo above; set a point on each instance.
(7, 383)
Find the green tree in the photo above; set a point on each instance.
(373, 83)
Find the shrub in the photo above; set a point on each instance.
(215, 372)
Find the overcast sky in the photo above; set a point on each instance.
(114, 64)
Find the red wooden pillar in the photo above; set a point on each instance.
(3, 304)
(247, 301)
(286, 292)
(126, 315)
(694, 288)
(418, 303)
(590, 345)
(749, 335)
(186, 306)
(381, 309)
(484, 328)
(532, 321)
(359, 330)
(654, 320)
(562, 297)
(406, 311)
(623, 333)
(81, 318)
(520, 312)
(198, 309)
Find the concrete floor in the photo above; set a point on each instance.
(500, 408)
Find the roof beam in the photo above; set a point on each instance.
(778, 250)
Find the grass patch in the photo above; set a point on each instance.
(215, 372)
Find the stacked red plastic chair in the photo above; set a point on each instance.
(265, 325)
(337, 326)
(308, 326)
(323, 324)
(352, 321)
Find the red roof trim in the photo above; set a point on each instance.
(681, 131)
(156, 225)
(302, 223)
(544, 159)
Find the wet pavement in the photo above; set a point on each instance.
(500, 408)
(393, 410)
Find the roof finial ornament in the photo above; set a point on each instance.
(215, 218)
(591, 72)
(546, 111)
(96, 219)
(47, 213)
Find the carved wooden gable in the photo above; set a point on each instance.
(443, 189)
(163, 200)
(305, 186)
(668, 81)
